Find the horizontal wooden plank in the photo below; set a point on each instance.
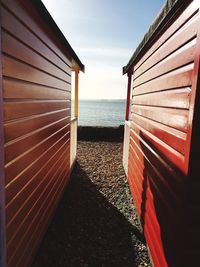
(16, 168)
(151, 213)
(174, 118)
(137, 175)
(157, 165)
(133, 191)
(42, 223)
(28, 33)
(19, 206)
(175, 79)
(141, 200)
(137, 187)
(164, 174)
(19, 89)
(137, 183)
(152, 248)
(35, 23)
(33, 123)
(151, 216)
(17, 185)
(35, 67)
(16, 219)
(188, 14)
(140, 180)
(160, 208)
(18, 70)
(166, 151)
(15, 110)
(170, 136)
(43, 206)
(136, 161)
(179, 58)
(178, 98)
(165, 67)
(25, 231)
(21, 145)
(20, 51)
(157, 241)
(177, 43)
(159, 184)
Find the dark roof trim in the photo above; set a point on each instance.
(169, 11)
(41, 9)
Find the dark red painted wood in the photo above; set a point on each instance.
(181, 56)
(194, 111)
(181, 20)
(36, 106)
(163, 168)
(2, 172)
(174, 138)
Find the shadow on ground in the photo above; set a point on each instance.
(87, 230)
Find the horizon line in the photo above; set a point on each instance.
(105, 99)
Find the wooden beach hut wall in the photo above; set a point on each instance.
(35, 137)
(163, 158)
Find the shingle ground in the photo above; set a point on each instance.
(95, 223)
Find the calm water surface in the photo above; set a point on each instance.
(101, 112)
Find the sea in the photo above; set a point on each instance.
(108, 113)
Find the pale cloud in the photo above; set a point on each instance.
(103, 76)
(108, 52)
(102, 81)
(75, 11)
(103, 34)
(103, 60)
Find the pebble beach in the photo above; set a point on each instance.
(95, 223)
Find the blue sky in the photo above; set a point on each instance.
(104, 34)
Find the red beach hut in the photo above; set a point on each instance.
(37, 146)
(161, 144)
